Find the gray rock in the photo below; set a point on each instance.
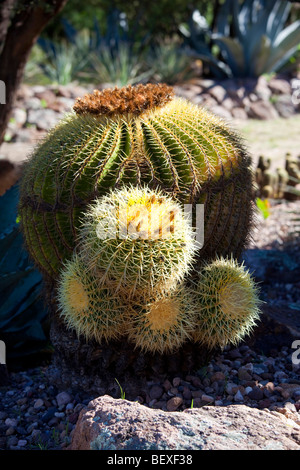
(63, 398)
(110, 424)
(262, 110)
(156, 391)
(284, 106)
(280, 86)
(221, 112)
(43, 119)
(262, 89)
(239, 113)
(218, 93)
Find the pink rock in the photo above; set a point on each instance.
(262, 110)
(110, 424)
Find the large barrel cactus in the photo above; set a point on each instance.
(146, 152)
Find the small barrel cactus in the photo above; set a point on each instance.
(91, 309)
(140, 135)
(226, 303)
(140, 238)
(162, 324)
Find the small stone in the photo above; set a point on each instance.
(196, 381)
(22, 442)
(265, 403)
(49, 414)
(290, 406)
(12, 441)
(230, 387)
(167, 385)
(174, 403)
(19, 116)
(38, 404)
(10, 422)
(207, 398)
(234, 354)
(72, 418)
(270, 386)
(218, 93)
(156, 392)
(63, 398)
(262, 110)
(22, 401)
(256, 393)
(152, 402)
(239, 113)
(217, 377)
(197, 393)
(59, 414)
(243, 374)
(176, 381)
(280, 86)
(11, 430)
(238, 396)
(186, 393)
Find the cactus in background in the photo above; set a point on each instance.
(93, 310)
(135, 135)
(226, 303)
(139, 238)
(280, 183)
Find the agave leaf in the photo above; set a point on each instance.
(21, 311)
(233, 53)
(277, 18)
(222, 23)
(260, 56)
(10, 280)
(284, 47)
(288, 36)
(6, 240)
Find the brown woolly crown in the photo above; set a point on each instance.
(133, 100)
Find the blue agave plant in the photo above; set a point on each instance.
(252, 37)
(23, 317)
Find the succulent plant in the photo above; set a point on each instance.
(226, 303)
(139, 238)
(90, 308)
(139, 135)
(162, 324)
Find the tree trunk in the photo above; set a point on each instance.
(18, 33)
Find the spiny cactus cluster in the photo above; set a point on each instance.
(280, 183)
(101, 210)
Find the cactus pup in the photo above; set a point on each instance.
(226, 303)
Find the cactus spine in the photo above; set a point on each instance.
(91, 309)
(162, 324)
(139, 238)
(226, 303)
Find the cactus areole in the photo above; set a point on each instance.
(142, 135)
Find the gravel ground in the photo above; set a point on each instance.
(34, 414)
